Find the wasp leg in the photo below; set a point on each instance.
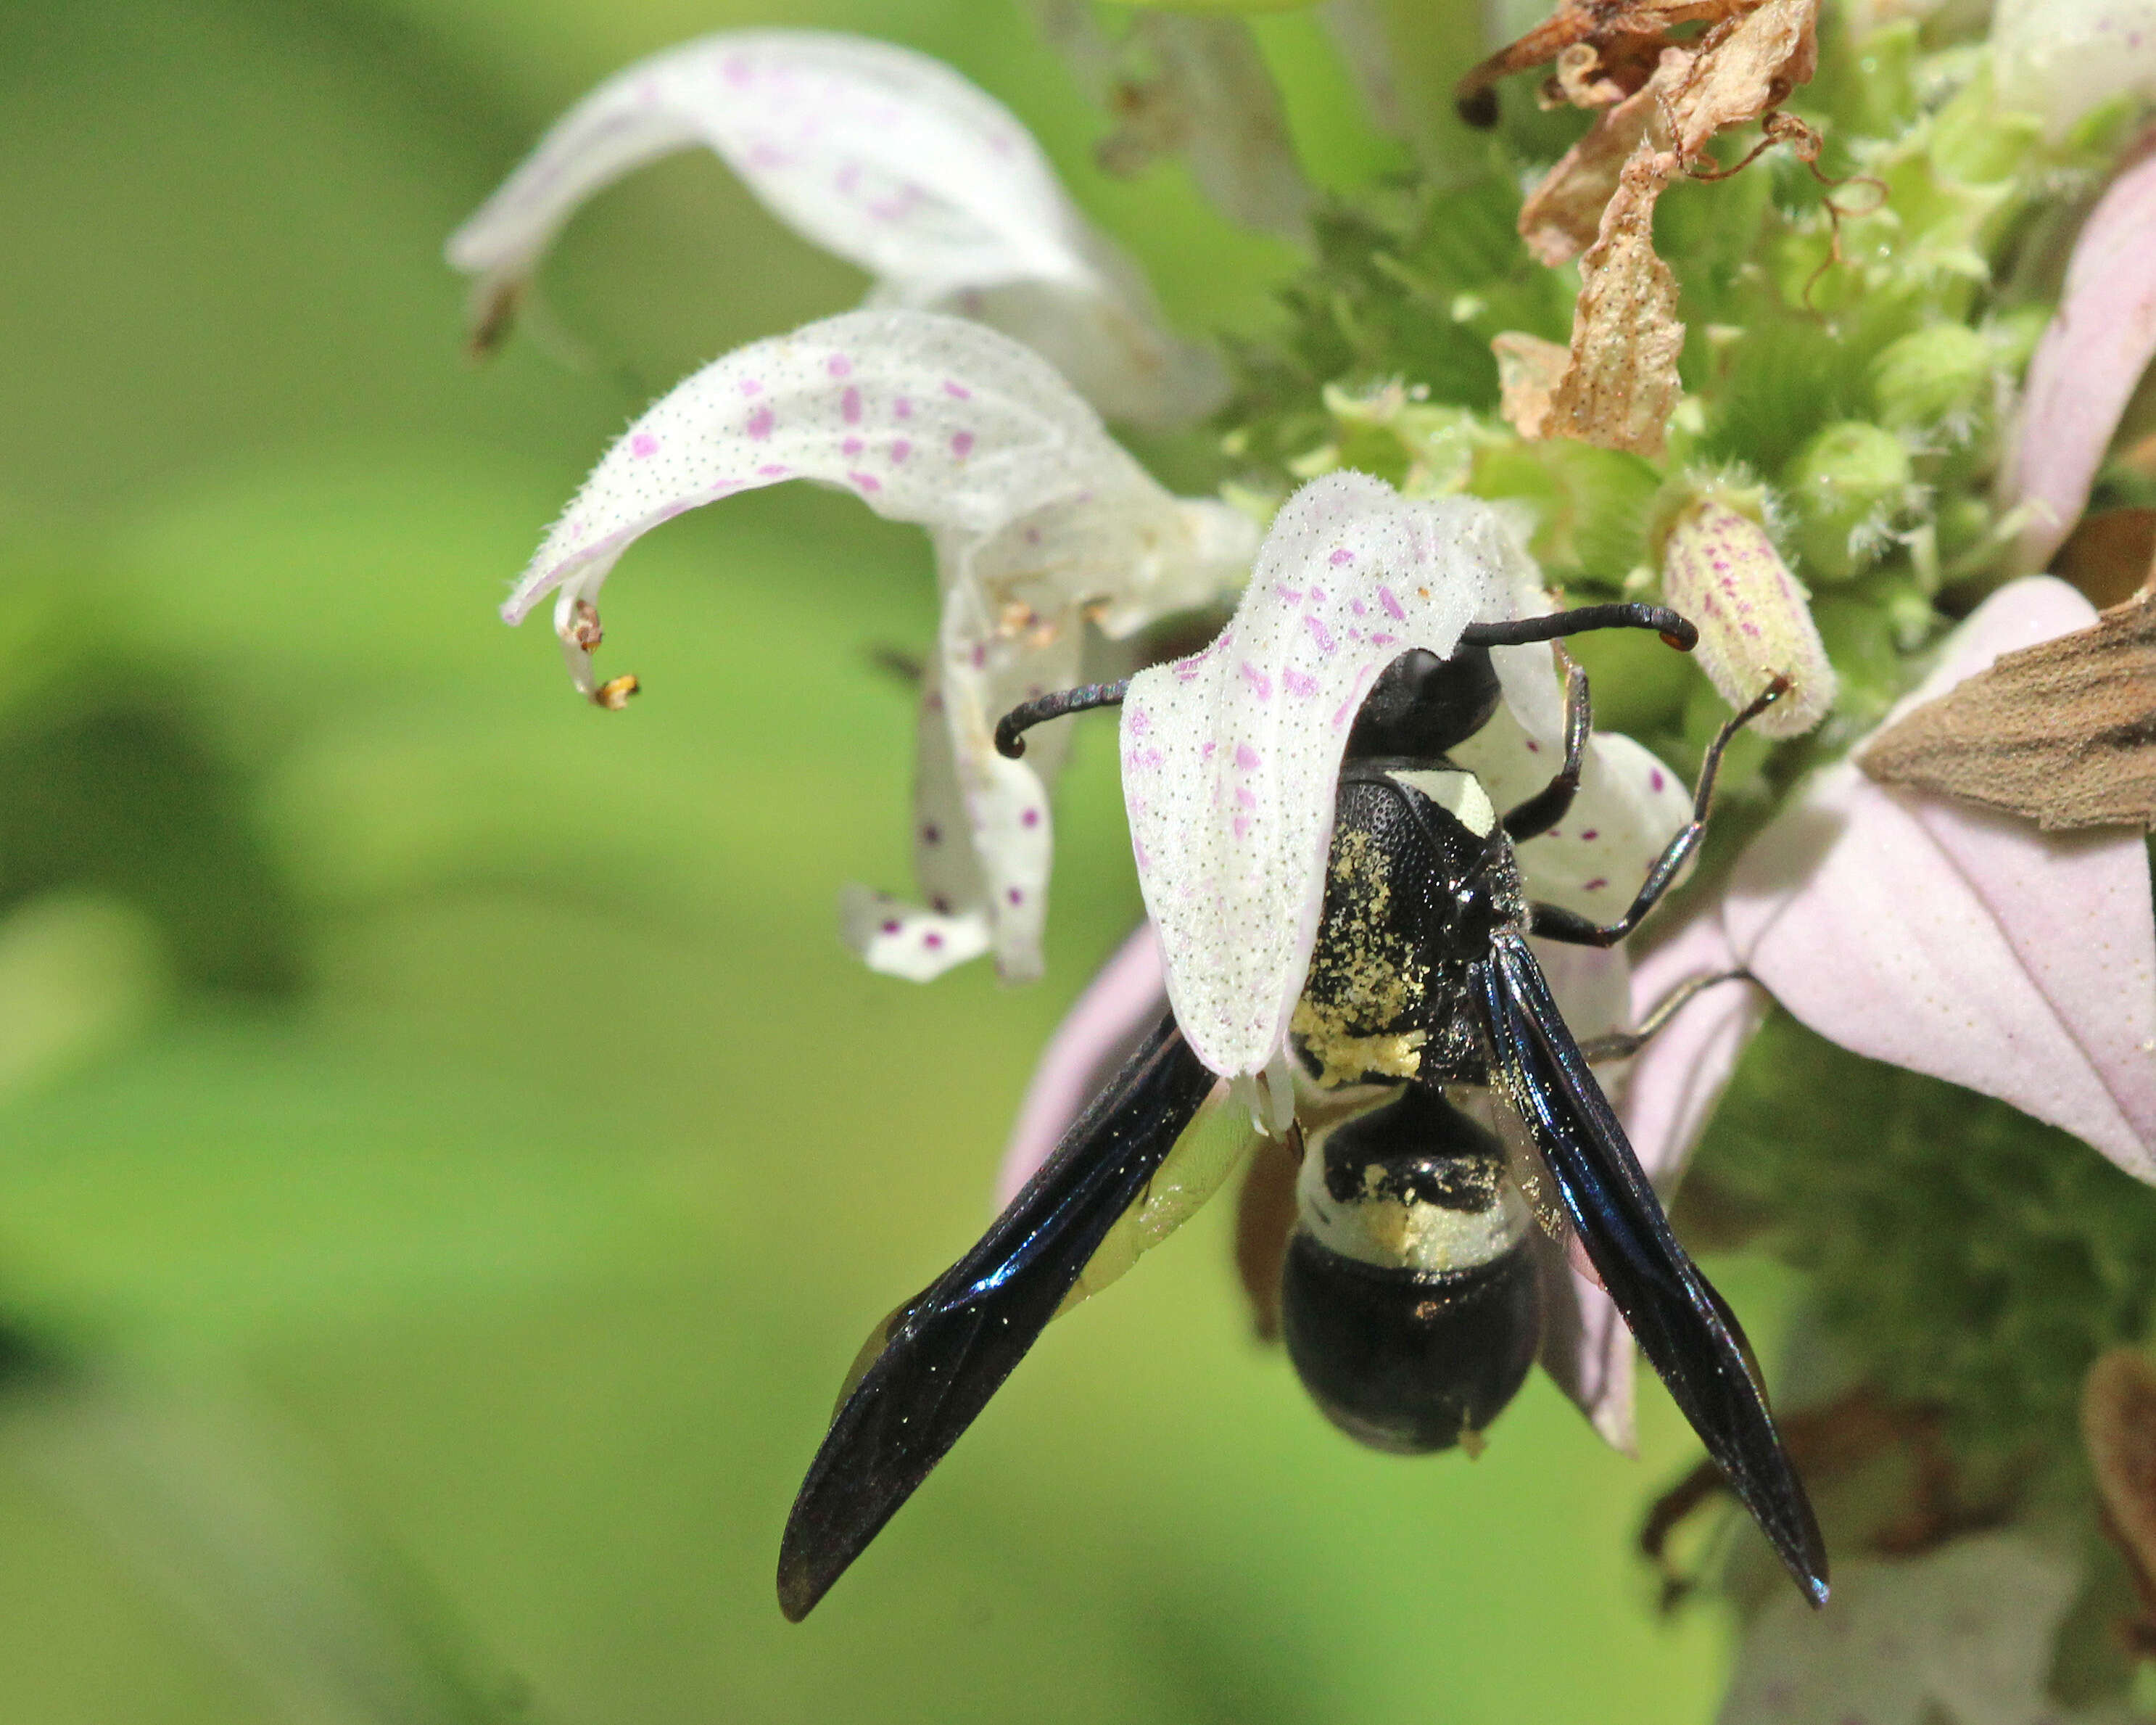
(1554, 801)
(1622, 1045)
(1554, 923)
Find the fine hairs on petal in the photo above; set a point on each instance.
(1230, 756)
(882, 157)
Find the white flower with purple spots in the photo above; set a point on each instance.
(1231, 756)
(1042, 524)
(884, 157)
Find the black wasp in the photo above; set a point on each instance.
(1410, 1301)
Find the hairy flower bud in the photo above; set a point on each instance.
(1850, 483)
(1933, 376)
(1721, 569)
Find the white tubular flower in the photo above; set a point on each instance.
(1231, 756)
(883, 157)
(1041, 522)
(2062, 58)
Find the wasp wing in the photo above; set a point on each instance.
(1692, 1337)
(947, 1351)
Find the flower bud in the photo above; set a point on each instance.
(1941, 373)
(1721, 569)
(1849, 483)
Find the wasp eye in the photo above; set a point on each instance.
(1410, 1301)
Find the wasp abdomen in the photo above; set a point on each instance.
(1410, 1301)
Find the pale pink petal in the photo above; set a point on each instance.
(1123, 1002)
(1665, 1100)
(2087, 364)
(1669, 1094)
(1962, 943)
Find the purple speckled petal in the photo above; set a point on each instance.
(1106, 1023)
(2086, 367)
(1962, 943)
(884, 157)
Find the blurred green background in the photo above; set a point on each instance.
(446, 1160)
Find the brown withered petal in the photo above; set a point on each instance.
(1563, 216)
(1625, 35)
(1623, 384)
(1742, 70)
(2108, 555)
(2118, 1426)
(1528, 368)
(2062, 733)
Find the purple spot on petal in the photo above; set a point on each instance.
(642, 444)
(1391, 605)
(1589, 835)
(1654, 778)
(1359, 609)
(1317, 596)
(1031, 817)
(866, 481)
(1246, 758)
(1246, 798)
(1139, 723)
(901, 408)
(890, 925)
(957, 391)
(1299, 684)
(1596, 885)
(851, 446)
(900, 449)
(751, 386)
(1320, 633)
(931, 939)
(1533, 747)
(760, 423)
(840, 365)
(849, 407)
(1293, 595)
(1385, 640)
(961, 443)
(1258, 680)
(774, 470)
(1342, 555)
(1015, 896)
(1242, 824)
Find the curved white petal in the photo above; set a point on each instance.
(884, 156)
(2063, 58)
(1962, 943)
(1041, 521)
(1230, 757)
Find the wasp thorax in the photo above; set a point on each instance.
(1410, 1301)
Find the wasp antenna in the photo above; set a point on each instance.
(1011, 728)
(1677, 630)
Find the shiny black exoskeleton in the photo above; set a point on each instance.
(1410, 1300)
